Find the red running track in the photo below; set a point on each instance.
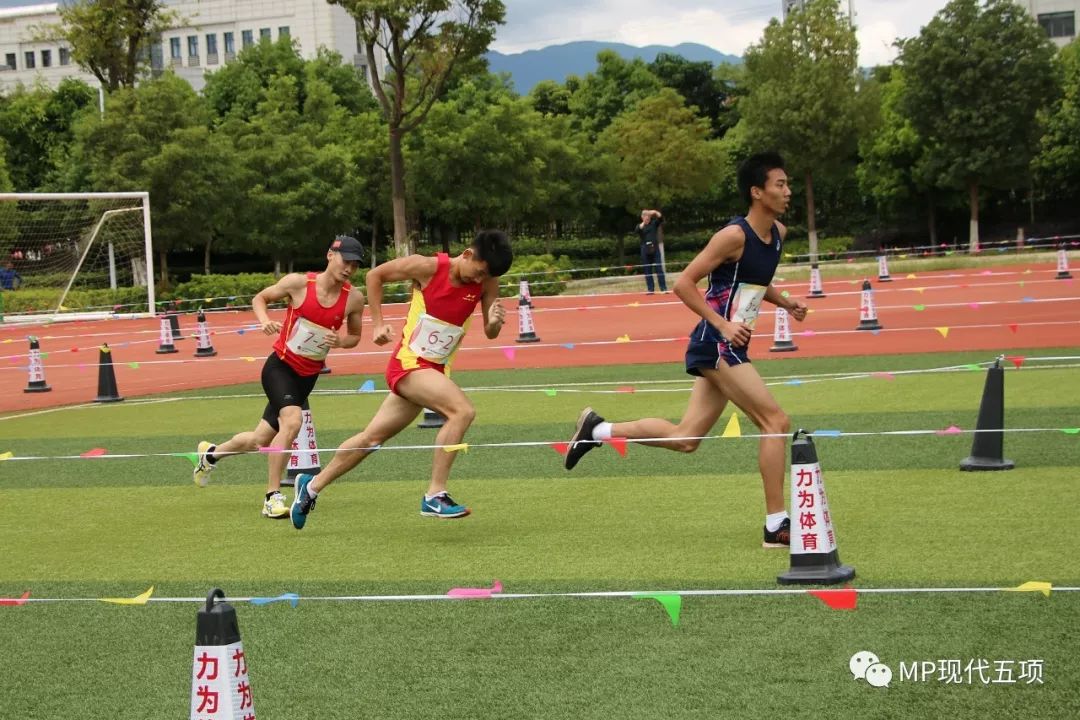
(982, 310)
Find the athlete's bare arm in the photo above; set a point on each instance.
(290, 286)
(417, 268)
(491, 306)
(354, 322)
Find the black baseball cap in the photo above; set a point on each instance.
(348, 247)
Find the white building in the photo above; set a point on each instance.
(212, 33)
(1057, 18)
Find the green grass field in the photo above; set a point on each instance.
(905, 517)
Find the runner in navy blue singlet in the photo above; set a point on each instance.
(740, 261)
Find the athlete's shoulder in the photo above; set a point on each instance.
(781, 228)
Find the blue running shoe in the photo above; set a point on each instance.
(303, 503)
(442, 506)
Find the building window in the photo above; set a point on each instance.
(174, 48)
(1059, 24)
(283, 31)
(10, 60)
(211, 49)
(46, 58)
(230, 44)
(193, 46)
(29, 57)
(65, 56)
(264, 33)
(247, 38)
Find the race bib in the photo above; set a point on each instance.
(747, 304)
(434, 339)
(308, 340)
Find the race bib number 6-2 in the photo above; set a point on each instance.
(308, 340)
(747, 304)
(434, 339)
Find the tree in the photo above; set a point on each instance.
(700, 85)
(36, 123)
(617, 85)
(424, 42)
(111, 39)
(801, 94)
(977, 77)
(1057, 167)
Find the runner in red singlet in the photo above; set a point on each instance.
(319, 304)
(445, 293)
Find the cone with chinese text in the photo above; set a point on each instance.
(106, 383)
(36, 383)
(782, 333)
(815, 557)
(1062, 264)
(220, 687)
(305, 454)
(165, 338)
(867, 313)
(202, 334)
(815, 282)
(883, 269)
(526, 329)
(987, 447)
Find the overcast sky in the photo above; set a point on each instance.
(726, 25)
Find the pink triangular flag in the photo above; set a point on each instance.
(1017, 360)
(951, 430)
(845, 599)
(15, 601)
(625, 389)
(509, 352)
(884, 375)
(1014, 327)
(974, 306)
(561, 448)
(496, 587)
(93, 452)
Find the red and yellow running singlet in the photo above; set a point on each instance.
(301, 342)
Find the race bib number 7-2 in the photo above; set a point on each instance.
(308, 340)
(747, 304)
(434, 339)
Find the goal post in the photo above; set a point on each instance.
(76, 255)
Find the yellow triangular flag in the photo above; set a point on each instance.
(919, 290)
(250, 359)
(911, 276)
(105, 349)
(634, 304)
(7, 456)
(1028, 271)
(1033, 586)
(623, 338)
(944, 331)
(732, 430)
(463, 447)
(904, 256)
(137, 600)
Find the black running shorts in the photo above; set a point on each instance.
(283, 387)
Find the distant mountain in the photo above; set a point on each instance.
(556, 62)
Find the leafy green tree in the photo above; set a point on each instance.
(550, 98)
(614, 87)
(977, 76)
(111, 39)
(424, 42)
(700, 85)
(1057, 165)
(801, 94)
(36, 122)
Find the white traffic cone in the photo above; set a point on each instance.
(883, 269)
(867, 314)
(202, 335)
(526, 330)
(815, 282)
(815, 558)
(1062, 264)
(220, 687)
(782, 333)
(36, 383)
(165, 341)
(305, 454)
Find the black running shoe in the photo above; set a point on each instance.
(780, 538)
(582, 442)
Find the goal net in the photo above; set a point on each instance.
(75, 255)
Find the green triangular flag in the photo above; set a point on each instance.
(672, 603)
(193, 457)
(550, 392)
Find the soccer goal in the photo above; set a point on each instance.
(75, 255)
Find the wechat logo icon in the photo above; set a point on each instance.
(865, 665)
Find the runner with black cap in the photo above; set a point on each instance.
(319, 304)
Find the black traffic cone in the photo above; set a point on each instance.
(205, 348)
(1062, 264)
(220, 686)
(815, 557)
(106, 379)
(431, 419)
(987, 446)
(174, 325)
(36, 383)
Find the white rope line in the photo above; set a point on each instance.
(633, 594)
(551, 443)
